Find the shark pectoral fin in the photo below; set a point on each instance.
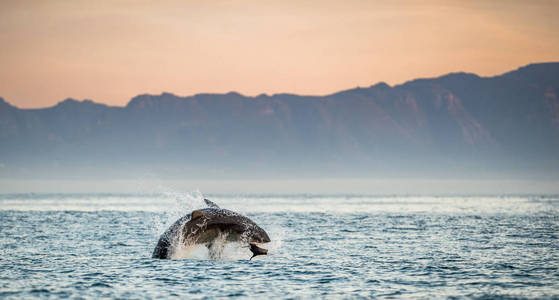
(197, 214)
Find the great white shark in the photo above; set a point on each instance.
(206, 227)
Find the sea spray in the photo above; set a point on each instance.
(183, 204)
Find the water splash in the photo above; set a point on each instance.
(183, 204)
(277, 234)
(219, 250)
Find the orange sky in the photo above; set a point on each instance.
(110, 51)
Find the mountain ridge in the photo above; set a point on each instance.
(458, 123)
(378, 84)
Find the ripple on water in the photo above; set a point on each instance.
(354, 247)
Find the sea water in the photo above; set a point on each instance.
(346, 246)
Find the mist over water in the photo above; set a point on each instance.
(100, 245)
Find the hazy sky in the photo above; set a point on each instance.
(110, 51)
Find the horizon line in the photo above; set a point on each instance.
(2, 99)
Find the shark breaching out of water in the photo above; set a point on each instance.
(206, 227)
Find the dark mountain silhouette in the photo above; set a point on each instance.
(459, 124)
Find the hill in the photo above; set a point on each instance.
(458, 124)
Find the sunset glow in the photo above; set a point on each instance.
(113, 50)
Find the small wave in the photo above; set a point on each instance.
(100, 284)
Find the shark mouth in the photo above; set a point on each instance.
(257, 250)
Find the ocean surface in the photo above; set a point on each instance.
(100, 245)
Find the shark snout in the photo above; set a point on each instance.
(259, 236)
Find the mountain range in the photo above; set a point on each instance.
(459, 125)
